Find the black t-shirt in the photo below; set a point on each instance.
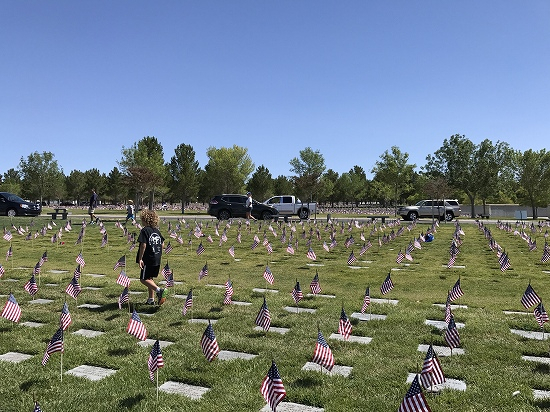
(153, 245)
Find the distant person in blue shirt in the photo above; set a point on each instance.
(92, 206)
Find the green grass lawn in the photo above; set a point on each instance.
(492, 367)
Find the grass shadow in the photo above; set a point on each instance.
(130, 402)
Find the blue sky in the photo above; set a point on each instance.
(82, 79)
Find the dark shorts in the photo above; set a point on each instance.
(149, 272)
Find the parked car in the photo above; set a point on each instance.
(291, 205)
(12, 205)
(445, 210)
(233, 205)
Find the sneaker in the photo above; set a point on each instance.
(150, 302)
(161, 296)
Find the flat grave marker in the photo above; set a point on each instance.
(292, 407)
(441, 324)
(93, 373)
(150, 342)
(365, 340)
(336, 370)
(87, 333)
(384, 301)
(441, 350)
(529, 334)
(260, 290)
(178, 388)
(281, 331)
(40, 301)
(89, 306)
(294, 309)
(32, 324)
(367, 316)
(455, 384)
(14, 357)
(231, 355)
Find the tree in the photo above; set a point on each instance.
(307, 170)
(358, 184)
(227, 169)
(393, 174)
(96, 180)
(75, 185)
(533, 174)
(343, 188)
(328, 186)
(282, 185)
(143, 165)
(261, 184)
(116, 186)
(40, 176)
(11, 182)
(184, 174)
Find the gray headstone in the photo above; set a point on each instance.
(453, 307)
(230, 355)
(336, 369)
(539, 359)
(40, 301)
(315, 264)
(529, 334)
(89, 306)
(95, 275)
(212, 321)
(511, 312)
(88, 333)
(51, 284)
(384, 301)
(178, 388)
(441, 324)
(93, 373)
(448, 384)
(32, 324)
(292, 407)
(294, 309)
(57, 272)
(14, 357)
(355, 339)
(150, 342)
(11, 280)
(367, 316)
(91, 288)
(539, 394)
(281, 331)
(260, 290)
(163, 282)
(313, 295)
(236, 302)
(216, 286)
(358, 267)
(454, 266)
(135, 292)
(441, 350)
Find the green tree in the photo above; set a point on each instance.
(393, 174)
(533, 175)
(328, 191)
(184, 174)
(307, 169)
(282, 186)
(358, 184)
(96, 180)
(227, 170)
(143, 165)
(41, 176)
(11, 182)
(116, 186)
(75, 185)
(344, 188)
(261, 184)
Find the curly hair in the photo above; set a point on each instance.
(150, 218)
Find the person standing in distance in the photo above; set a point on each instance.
(92, 206)
(130, 211)
(149, 254)
(248, 205)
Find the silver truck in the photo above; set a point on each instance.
(288, 205)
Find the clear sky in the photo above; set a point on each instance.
(349, 78)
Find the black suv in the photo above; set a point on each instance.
(227, 206)
(12, 205)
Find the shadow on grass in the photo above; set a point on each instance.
(25, 386)
(129, 403)
(541, 368)
(120, 352)
(113, 317)
(542, 404)
(308, 382)
(176, 324)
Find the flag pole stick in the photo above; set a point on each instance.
(157, 373)
(61, 369)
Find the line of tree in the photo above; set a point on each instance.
(473, 173)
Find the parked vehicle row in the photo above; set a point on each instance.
(12, 205)
(447, 209)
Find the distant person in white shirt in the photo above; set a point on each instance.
(249, 206)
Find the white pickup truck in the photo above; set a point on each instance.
(291, 205)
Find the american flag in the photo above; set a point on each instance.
(65, 319)
(37, 407)
(73, 288)
(269, 248)
(121, 262)
(351, 258)
(123, 298)
(228, 292)
(36, 269)
(204, 271)
(168, 248)
(414, 400)
(8, 236)
(132, 246)
(11, 310)
(166, 271)
(136, 327)
(80, 260)
(431, 374)
(323, 355)
(456, 291)
(530, 297)
(314, 285)
(170, 280)
(104, 240)
(123, 279)
(349, 241)
(272, 388)
(209, 344)
(200, 249)
(504, 262)
(31, 286)
(448, 312)
(311, 254)
(268, 276)
(366, 300)
(452, 260)
(296, 293)
(188, 302)
(325, 246)
(545, 253)
(540, 314)
(9, 253)
(400, 257)
(290, 249)
(155, 361)
(387, 285)
(55, 345)
(344, 325)
(232, 251)
(255, 243)
(43, 259)
(264, 317)
(2, 270)
(451, 334)
(77, 272)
